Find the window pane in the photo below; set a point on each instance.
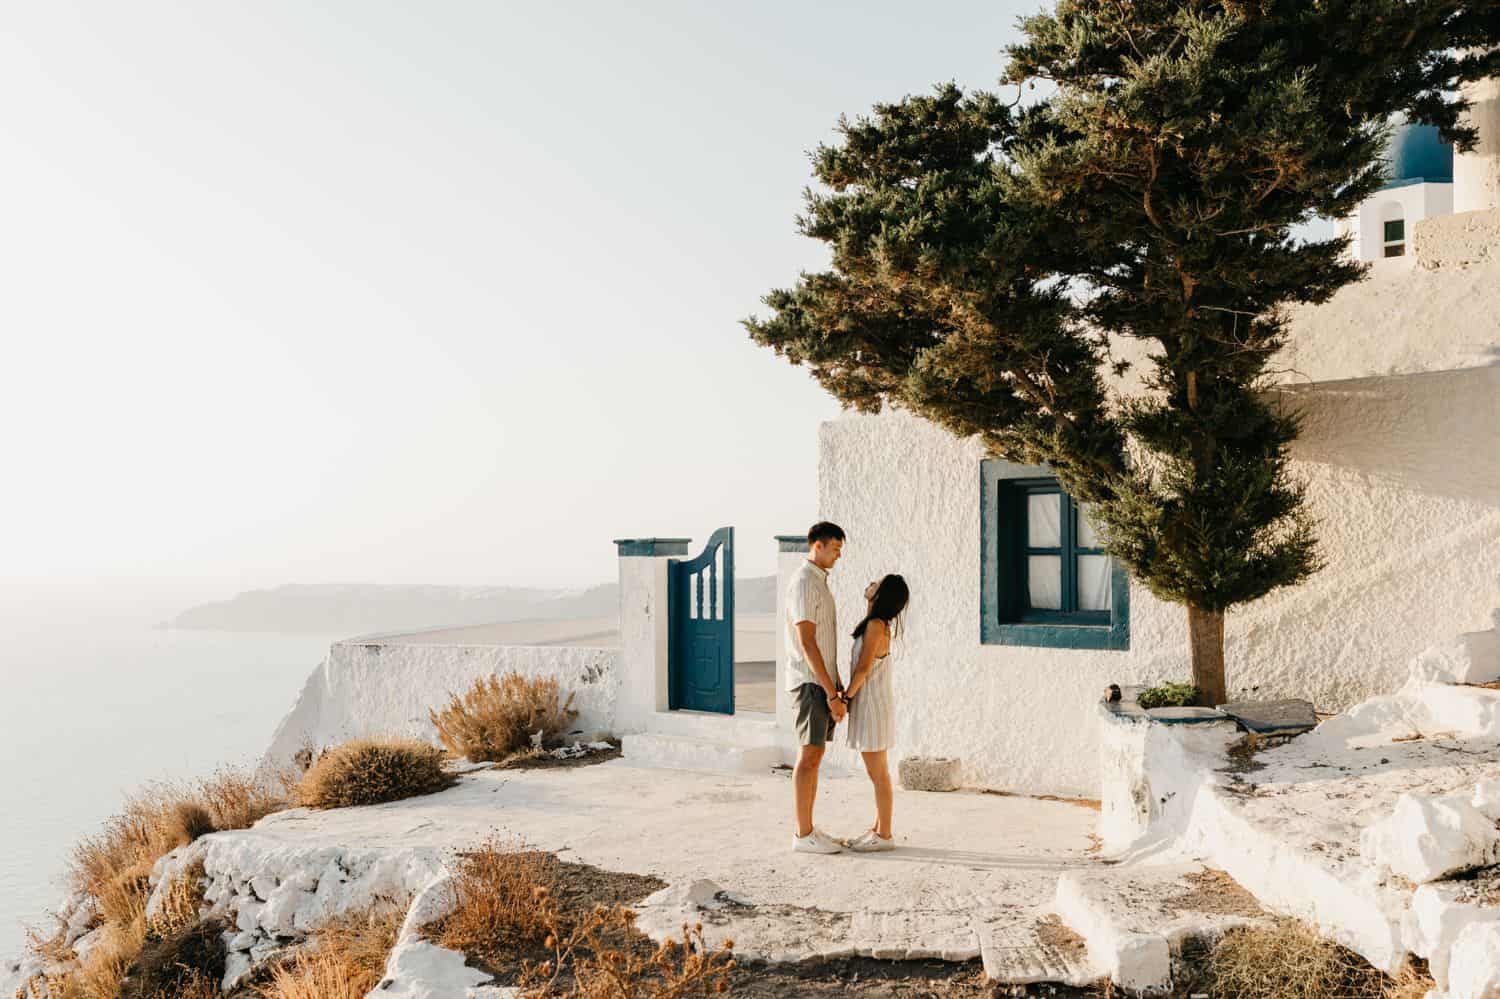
(1044, 581)
(1093, 582)
(1043, 521)
(1087, 536)
(1395, 231)
(1396, 250)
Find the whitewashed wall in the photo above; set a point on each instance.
(1403, 474)
(371, 689)
(1411, 203)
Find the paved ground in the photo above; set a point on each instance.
(968, 862)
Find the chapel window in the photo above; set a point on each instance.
(1394, 238)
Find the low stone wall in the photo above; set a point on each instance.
(370, 688)
(1458, 240)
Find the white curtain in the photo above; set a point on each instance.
(1093, 582)
(1044, 581)
(1043, 520)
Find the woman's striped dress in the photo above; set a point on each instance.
(872, 713)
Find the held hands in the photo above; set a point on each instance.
(838, 706)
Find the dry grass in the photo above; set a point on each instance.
(1242, 754)
(180, 905)
(496, 889)
(113, 867)
(178, 963)
(505, 900)
(1290, 960)
(602, 970)
(372, 771)
(499, 716)
(346, 960)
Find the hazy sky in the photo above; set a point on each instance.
(421, 292)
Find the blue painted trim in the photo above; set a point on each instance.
(1409, 181)
(792, 543)
(693, 627)
(652, 546)
(1114, 636)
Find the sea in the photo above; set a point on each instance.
(97, 699)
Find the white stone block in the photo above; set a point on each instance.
(236, 967)
(1426, 838)
(263, 885)
(1487, 799)
(1139, 960)
(248, 918)
(1434, 921)
(86, 943)
(1474, 969)
(279, 915)
(929, 773)
(1134, 960)
(417, 969)
(1473, 657)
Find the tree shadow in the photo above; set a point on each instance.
(1433, 432)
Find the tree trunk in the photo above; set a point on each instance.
(1206, 638)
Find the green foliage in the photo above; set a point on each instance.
(996, 266)
(1168, 695)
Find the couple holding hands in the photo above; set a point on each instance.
(822, 700)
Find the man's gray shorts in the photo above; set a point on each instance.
(814, 721)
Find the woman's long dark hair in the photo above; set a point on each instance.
(890, 600)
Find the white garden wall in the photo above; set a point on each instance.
(372, 689)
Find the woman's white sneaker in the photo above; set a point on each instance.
(871, 843)
(816, 841)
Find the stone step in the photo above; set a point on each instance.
(1032, 951)
(1134, 918)
(744, 728)
(676, 752)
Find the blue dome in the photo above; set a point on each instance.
(1417, 153)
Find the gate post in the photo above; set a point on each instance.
(791, 552)
(643, 628)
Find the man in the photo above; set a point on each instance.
(813, 676)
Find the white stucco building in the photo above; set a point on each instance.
(1426, 179)
(1419, 186)
(1399, 381)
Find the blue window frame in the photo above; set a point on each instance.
(1046, 580)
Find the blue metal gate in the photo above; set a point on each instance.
(700, 621)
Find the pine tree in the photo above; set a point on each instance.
(992, 261)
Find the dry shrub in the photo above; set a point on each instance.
(495, 899)
(1413, 982)
(498, 716)
(345, 961)
(1290, 960)
(372, 771)
(163, 816)
(179, 961)
(602, 969)
(114, 868)
(504, 896)
(237, 799)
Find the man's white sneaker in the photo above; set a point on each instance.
(871, 843)
(816, 841)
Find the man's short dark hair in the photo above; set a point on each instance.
(824, 530)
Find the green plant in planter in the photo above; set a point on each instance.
(1168, 695)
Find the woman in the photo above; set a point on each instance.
(872, 702)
